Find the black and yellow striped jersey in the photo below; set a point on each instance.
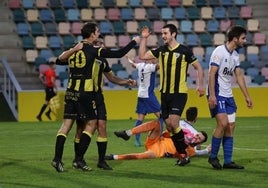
(173, 67)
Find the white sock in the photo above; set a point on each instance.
(129, 133)
(115, 157)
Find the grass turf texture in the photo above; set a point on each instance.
(26, 150)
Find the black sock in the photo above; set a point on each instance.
(178, 141)
(84, 143)
(42, 110)
(102, 146)
(60, 140)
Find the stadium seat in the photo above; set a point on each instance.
(199, 26)
(132, 27)
(64, 75)
(174, 22)
(46, 53)
(213, 26)
(41, 42)
(100, 14)
(59, 15)
(153, 41)
(76, 28)
(264, 72)
(214, 2)
(108, 3)
(246, 12)
(206, 12)
(240, 22)
(14, 4)
(95, 3)
(174, 3)
(252, 49)
(31, 54)
(240, 2)
(113, 14)
(116, 67)
(127, 14)
(199, 51)
(37, 28)
(161, 3)
(227, 3)
(218, 39)
(193, 13)
(54, 42)
(253, 25)
(123, 40)
(258, 79)
(166, 13)
(134, 3)
(110, 41)
(61, 68)
(134, 74)
(259, 38)
(233, 12)
(187, 3)
(18, 15)
(249, 38)
(68, 41)
(153, 13)
(253, 58)
(180, 38)
(140, 13)
(106, 27)
(57, 51)
(186, 26)
(264, 53)
(73, 15)
(68, 4)
(208, 52)
(180, 13)
(64, 28)
(201, 3)
(28, 42)
(38, 61)
(28, 4)
(45, 15)
(192, 40)
(32, 15)
(82, 4)
(122, 74)
(219, 13)
(123, 3)
(252, 71)
(245, 65)
(23, 28)
(54, 4)
(86, 14)
(41, 4)
(119, 27)
(143, 23)
(147, 3)
(225, 25)
(51, 28)
(158, 25)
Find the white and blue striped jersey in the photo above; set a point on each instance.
(146, 79)
(227, 62)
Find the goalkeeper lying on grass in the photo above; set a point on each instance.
(159, 144)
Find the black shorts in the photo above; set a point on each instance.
(172, 103)
(101, 108)
(80, 105)
(49, 93)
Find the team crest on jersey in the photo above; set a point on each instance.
(177, 55)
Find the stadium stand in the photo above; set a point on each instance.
(202, 24)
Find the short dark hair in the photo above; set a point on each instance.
(205, 135)
(172, 28)
(191, 113)
(235, 32)
(87, 29)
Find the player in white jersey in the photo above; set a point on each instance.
(224, 63)
(147, 102)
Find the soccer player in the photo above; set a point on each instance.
(103, 68)
(80, 100)
(159, 144)
(48, 78)
(224, 63)
(147, 101)
(174, 59)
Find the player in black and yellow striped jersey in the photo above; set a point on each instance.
(80, 100)
(174, 59)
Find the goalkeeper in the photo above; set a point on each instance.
(159, 144)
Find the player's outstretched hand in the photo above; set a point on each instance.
(145, 32)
